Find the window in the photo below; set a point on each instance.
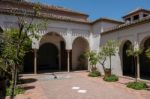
(136, 17)
(128, 19)
(145, 15)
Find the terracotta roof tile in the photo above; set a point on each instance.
(108, 19)
(45, 6)
(16, 11)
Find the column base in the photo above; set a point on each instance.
(138, 79)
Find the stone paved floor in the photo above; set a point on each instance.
(43, 86)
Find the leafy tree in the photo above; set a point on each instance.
(107, 51)
(16, 42)
(92, 57)
(102, 59)
(135, 53)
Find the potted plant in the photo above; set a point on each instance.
(106, 52)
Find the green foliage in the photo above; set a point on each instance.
(17, 41)
(148, 53)
(135, 52)
(18, 90)
(109, 49)
(101, 55)
(13, 49)
(82, 57)
(94, 74)
(102, 58)
(92, 56)
(137, 85)
(82, 61)
(112, 78)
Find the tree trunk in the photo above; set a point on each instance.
(103, 67)
(16, 76)
(13, 83)
(110, 62)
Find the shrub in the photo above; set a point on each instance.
(18, 90)
(112, 78)
(94, 74)
(137, 85)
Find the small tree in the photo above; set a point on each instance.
(92, 57)
(135, 53)
(107, 51)
(102, 59)
(15, 44)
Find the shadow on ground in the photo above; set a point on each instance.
(28, 87)
(27, 80)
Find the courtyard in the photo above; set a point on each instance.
(46, 50)
(77, 85)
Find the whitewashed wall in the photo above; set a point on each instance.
(136, 34)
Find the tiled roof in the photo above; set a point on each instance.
(30, 13)
(146, 19)
(45, 6)
(108, 19)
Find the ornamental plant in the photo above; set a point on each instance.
(106, 52)
(135, 53)
(93, 60)
(16, 41)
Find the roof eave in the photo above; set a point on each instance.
(127, 25)
(107, 19)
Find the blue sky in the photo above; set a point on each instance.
(114, 9)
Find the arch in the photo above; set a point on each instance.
(143, 41)
(51, 55)
(48, 57)
(50, 44)
(128, 66)
(79, 46)
(52, 34)
(144, 61)
(28, 64)
(1, 30)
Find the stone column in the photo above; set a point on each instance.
(141, 16)
(35, 61)
(68, 60)
(59, 56)
(136, 47)
(138, 68)
(59, 61)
